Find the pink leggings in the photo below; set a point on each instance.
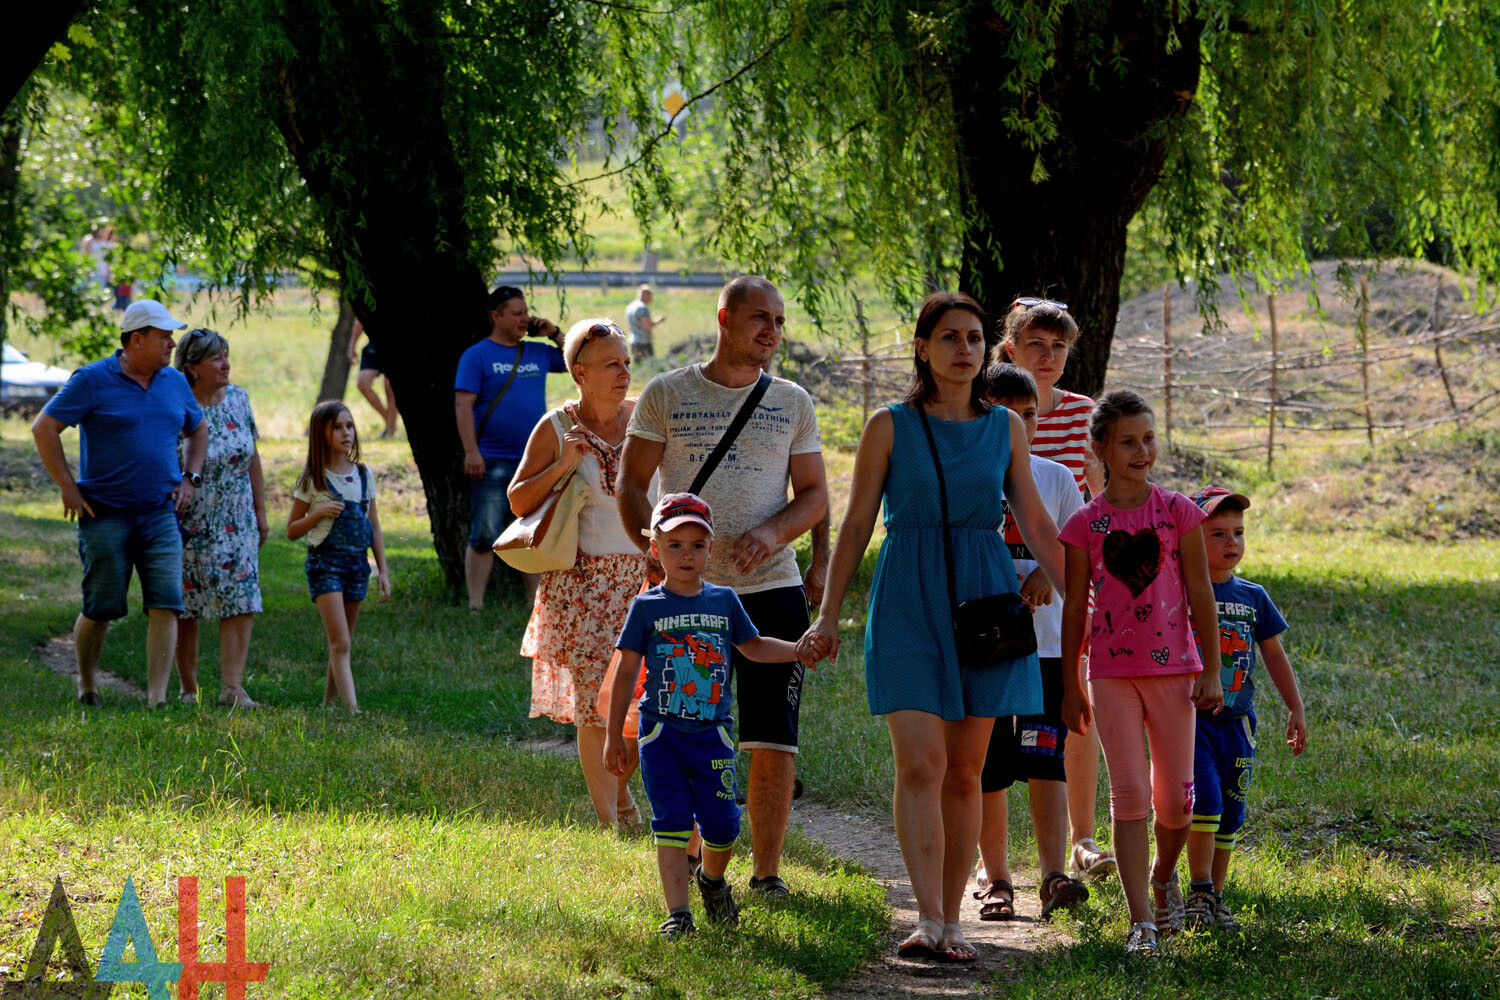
(1163, 706)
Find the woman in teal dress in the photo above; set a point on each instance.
(939, 713)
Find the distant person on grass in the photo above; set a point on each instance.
(499, 394)
(224, 526)
(642, 323)
(683, 630)
(681, 417)
(943, 446)
(1037, 335)
(130, 409)
(1225, 750)
(578, 612)
(1141, 547)
(333, 507)
(369, 371)
(1030, 748)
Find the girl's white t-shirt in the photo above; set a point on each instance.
(342, 486)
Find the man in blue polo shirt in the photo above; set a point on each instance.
(129, 410)
(494, 437)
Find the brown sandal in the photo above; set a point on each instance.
(997, 900)
(1059, 892)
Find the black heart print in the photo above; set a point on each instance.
(1133, 559)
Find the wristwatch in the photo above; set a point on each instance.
(194, 478)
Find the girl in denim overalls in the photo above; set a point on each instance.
(334, 507)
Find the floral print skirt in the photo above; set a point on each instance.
(572, 632)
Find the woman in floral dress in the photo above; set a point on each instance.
(578, 612)
(224, 526)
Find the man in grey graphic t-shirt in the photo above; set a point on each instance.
(681, 415)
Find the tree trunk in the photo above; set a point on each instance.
(29, 38)
(362, 113)
(1064, 236)
(336, 367)
(11, 121)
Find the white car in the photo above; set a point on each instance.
(25, 385)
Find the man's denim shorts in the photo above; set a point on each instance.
(118, 541)
(489, 509)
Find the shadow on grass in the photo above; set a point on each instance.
(1304, 939)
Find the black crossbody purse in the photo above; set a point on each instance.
(987, 630)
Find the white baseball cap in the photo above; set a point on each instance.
(148, 312)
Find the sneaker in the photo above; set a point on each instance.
(1169, 916)
(771, 885)
(1224, 917)
(718, 900)
(1198, 911)
(1142, 940)
(1090, 861)
(677, 925)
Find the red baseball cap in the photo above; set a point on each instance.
(676, 509)
(1210, 497)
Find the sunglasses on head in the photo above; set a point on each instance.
(1027, 302)
(604, 330)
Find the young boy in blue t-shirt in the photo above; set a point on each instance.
(683, 629)
(1225, 750)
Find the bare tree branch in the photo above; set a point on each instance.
(669, 128)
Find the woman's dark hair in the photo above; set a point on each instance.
(1111, 407)
(1004, 380)
(1043, 316)
(923, 386)
(503, 294)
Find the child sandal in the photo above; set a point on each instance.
(997, 901)
(1169, 916)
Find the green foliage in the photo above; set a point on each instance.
(1354, 129)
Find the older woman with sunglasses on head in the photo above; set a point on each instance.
(578, 612)
(224, 525)
(1037, 335)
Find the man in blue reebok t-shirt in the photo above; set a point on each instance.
(495, 437)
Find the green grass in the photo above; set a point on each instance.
(416, 850)
(420, 851)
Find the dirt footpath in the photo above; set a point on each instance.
(1002, 945)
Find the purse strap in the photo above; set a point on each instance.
(937, 464)
(555, 419)
(735, 426)
(515, 366)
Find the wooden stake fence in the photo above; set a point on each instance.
(1364, 355)
(1271, 409)
(1166, 369)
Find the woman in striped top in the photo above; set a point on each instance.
(1037, 335)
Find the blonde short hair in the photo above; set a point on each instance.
(198, 345)
(583, 331)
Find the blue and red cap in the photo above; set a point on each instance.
(676, 509)
(1212, 496)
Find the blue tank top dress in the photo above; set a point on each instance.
(910, 659)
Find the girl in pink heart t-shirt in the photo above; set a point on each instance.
(1141, 547)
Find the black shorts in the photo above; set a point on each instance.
(770, 694)
(1029, 747)
(367, 362)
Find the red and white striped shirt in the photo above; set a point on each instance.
(1063, 434)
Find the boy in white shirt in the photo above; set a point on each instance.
(1030, 747)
